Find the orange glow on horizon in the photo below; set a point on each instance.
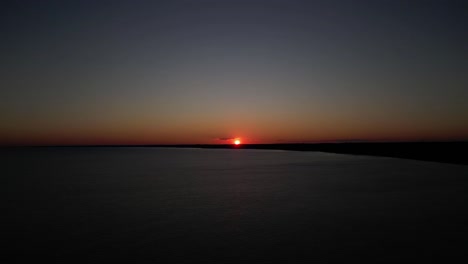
(237, 142)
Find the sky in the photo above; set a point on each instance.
(208, 71)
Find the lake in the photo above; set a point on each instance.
(157, 205)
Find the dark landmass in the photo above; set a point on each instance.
(446, 152)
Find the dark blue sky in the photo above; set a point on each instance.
(264, 71)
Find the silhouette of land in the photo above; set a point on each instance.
(446, 152)
(455, 152)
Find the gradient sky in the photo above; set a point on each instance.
(152, 72)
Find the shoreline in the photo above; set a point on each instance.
(444, 152)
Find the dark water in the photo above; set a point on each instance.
(147, 205)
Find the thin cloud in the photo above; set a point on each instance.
(225, 138)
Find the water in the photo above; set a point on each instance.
(150, 205)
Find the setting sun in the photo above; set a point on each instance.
(237, 142)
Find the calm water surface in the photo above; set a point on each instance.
(151, 205)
